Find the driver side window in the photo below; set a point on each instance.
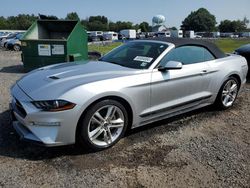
(188, 55)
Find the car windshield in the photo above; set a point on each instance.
(12, 35)
(138, 55)
(19, 36)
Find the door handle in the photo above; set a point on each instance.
(203, 71)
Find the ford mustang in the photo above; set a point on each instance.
(94, 102)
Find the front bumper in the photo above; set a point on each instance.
(44, 128)
(26, 135)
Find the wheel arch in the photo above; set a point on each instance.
(111, 97)
(217, 102)
(237, 77)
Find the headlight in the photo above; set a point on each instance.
(53, 105)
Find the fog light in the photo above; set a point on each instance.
(45, 123)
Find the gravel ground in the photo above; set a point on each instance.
(205, 148)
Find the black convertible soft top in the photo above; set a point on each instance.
(197, 42)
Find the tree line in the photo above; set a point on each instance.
(200, 20)
(93, 23)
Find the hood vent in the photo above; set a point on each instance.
(54, 77)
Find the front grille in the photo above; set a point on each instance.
(20, 109)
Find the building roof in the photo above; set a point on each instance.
(157, 28)
(196, 42)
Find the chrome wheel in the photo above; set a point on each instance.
(229, 93)
(106, 125)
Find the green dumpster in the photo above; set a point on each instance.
(53, 41)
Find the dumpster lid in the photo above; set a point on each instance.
(50, 30)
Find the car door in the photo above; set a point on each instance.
(174, 90)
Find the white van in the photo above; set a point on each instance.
(177, 33)
(96, 33)
(128, 33)
(163, 34)
(110, 35)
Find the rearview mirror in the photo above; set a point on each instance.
(171, 65)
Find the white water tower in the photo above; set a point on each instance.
(158, 20)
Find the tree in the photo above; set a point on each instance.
(118, 26)
(124, 25)
(245, 21)
(3, 22)
(225, 26)
(173, 28)
(238, 26)
(136, 27)
(22, 21)
(72, 16)
(97, 26)
(233, 26)
(200, 20)
(113, 26)
(144, 26)
(97, 23)
(102, 19)
(85, 24)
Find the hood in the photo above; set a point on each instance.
(243, 49)
(53, 81)
(12, 41)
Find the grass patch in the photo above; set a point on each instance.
(103, 49)
(226, 45)
(229, 45)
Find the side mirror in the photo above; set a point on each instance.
(171, 65)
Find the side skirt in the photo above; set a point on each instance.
(175, 113)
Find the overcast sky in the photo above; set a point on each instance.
(135, 11)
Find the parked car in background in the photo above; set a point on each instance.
(95, 102)
(7, 38)
(150, 35)
(93, 38)
(245, 52)
(4, 35)
(197, 36)
(121, 37)
(96, 34)
(163, 34)
(14, 44)
(140, 36)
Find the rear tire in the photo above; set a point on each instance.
(227, 94)
(103, 125)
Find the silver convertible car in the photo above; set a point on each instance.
(94, 102)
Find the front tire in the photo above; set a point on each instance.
(17, 47)
(103, 125)
(228, 93)
(5, 45)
